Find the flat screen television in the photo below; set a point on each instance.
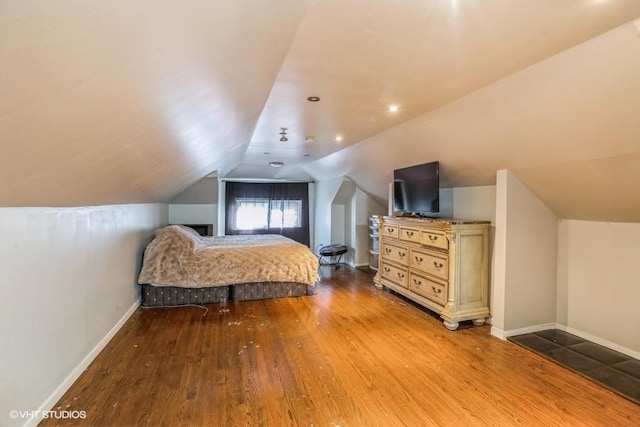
(416, 189)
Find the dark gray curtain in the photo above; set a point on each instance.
(278, 196)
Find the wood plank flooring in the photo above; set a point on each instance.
(351, 355)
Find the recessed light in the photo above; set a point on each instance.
(339, 138)
(313, 99)
(276, 164)
(393, 108)
(309, 139)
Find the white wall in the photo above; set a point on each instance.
(197, 204)
(338, 226)
(194, 214)
(497, 288)
(204, 192)
(350, 211)
(599, 282)
(474, 203)
(325, 192)
(67, 278)
(364, 206)
(526, 253)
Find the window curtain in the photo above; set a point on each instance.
(268, 208)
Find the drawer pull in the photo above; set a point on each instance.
(387, 270)
(438, 265)
(390, 230)
(433, 238)
(418, 259)
(436, 290)
(410, 233)
(417, 282)
(387, 250)
(402, 254)
(400, 275)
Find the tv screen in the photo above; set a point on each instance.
(416, 189)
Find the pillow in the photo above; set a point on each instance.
(187, 230)
(181, 233)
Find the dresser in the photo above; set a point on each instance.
(440, 264)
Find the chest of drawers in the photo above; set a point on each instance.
(440, 264)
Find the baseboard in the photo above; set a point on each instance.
(503, 335)
(498, 333)
(600, 341)
(48, 404)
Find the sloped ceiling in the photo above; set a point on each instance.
(107, 102)
(120, 102)
(568, 127)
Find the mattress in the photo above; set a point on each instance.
(179, 257)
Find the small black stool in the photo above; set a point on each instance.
(333, 251)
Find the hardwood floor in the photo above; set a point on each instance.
(351, 355)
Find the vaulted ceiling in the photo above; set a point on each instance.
(124, 102)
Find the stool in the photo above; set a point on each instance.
(333, 251)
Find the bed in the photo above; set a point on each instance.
(181, 267)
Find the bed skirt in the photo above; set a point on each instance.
(162, 296)
(268, 290)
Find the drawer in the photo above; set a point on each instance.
(430, 262)
(398, 254)
(390, 230)
(436, 239)
(395, 274)
(436, 292)
(410, 234)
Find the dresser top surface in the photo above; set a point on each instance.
(435, 221)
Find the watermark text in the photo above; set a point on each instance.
(15, 414)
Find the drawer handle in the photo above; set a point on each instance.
(400, 275)
(438, 265)
(418, 259)
(417, 282)
(387, 269)
(387, 250)
(390, 230)
(410, 233)
(433, 238)
(402, 254)
(436, 290)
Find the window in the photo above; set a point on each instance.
(268, 208)
(261, 214)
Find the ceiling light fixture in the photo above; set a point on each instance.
(339, 138)
(313, 98)
(393, 108)
(283, 135)
(276, 164)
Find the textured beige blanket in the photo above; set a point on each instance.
(178, 256)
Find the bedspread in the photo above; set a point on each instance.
(178, 256)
